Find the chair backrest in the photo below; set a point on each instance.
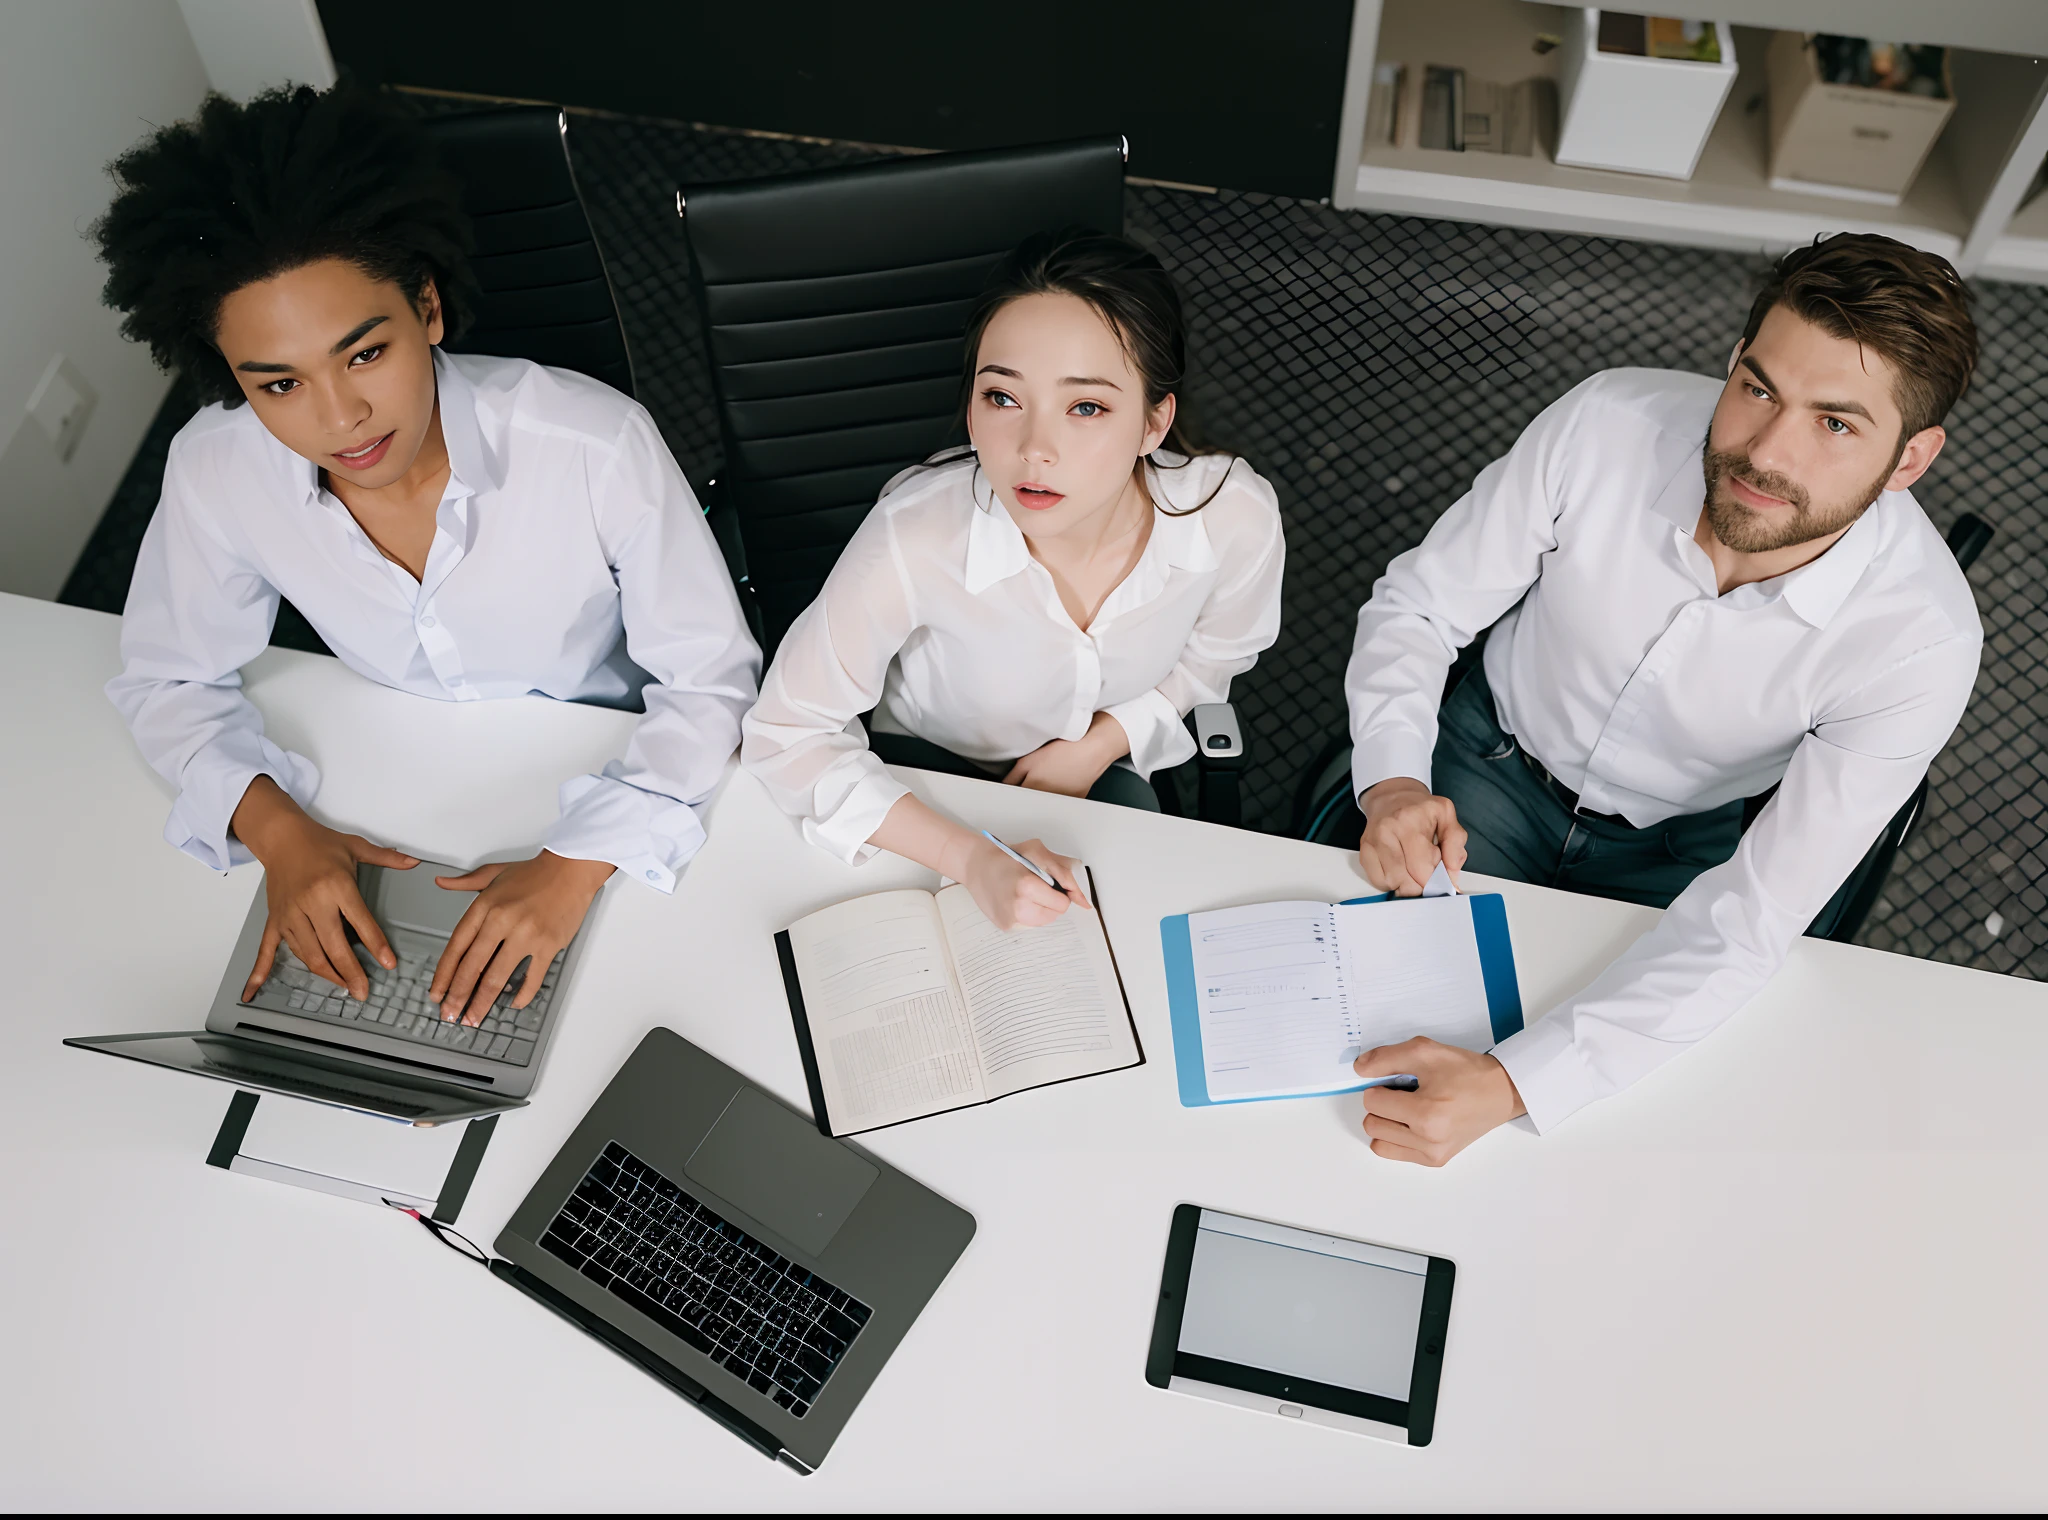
(834, 305)
(546, 296)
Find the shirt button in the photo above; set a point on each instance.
(654, 876)
(426, 622)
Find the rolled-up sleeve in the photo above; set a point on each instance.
(1239, 622)
(1476, 562)
(803, 739)
(197, 612)
(684, 627)
(1727, 933)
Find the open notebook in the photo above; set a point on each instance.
(911, 1003)
(1276, 1000)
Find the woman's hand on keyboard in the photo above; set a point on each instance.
(523, 908)
(309, 878)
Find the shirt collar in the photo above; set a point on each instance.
(995, 545)
(1684, 495)
(472, 467)
(1816, 591)
(996, 548)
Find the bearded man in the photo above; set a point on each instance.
(1675, 627)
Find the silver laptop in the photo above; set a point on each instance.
(391, 1055)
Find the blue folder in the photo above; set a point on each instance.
(1496, 967)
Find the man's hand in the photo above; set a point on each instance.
(1072, 766)
(309, 884)
(1460, 1095)
(1009, 896)
(1407, 831)
(523, 908)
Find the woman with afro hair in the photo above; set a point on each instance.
(454, 526)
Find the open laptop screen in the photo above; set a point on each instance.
(269, 1068)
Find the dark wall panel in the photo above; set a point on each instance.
(1210, 92)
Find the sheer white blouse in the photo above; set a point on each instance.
(937, 617)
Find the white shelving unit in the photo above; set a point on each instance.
(1966, 203)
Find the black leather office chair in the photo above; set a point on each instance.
(1325, 812)
(546, 296)
(834, 304)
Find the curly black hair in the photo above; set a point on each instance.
(242, 193)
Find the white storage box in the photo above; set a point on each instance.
(1641, 115)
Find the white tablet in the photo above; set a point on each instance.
(1308, 1327)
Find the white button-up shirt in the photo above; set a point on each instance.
(565, 525)
(938, 618)
(1650, 695)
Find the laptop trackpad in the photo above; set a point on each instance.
(781, 1170)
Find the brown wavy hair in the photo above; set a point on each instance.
(1907, 306)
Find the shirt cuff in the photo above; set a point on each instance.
(1158, 736)
(648, 836)
(845, 830)
(205, 808)
(1548, 1071)
(1394, 752)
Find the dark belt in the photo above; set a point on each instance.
(1565, 794)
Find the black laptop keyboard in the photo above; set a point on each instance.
(707, 1282)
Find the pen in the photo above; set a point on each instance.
(1033, 867)
(1400, 1082)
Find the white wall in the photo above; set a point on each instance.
(81, 80)
(249, 45)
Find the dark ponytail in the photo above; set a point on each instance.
(1130, 290)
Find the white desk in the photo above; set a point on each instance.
(1800, 1267)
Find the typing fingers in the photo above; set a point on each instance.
(266, 955)
(451, 953)
(473, 881)
(378, 855)
(503, 966)
(368, 930)
(333, 938)
(536, 971)
(483, 947)
(304, 942)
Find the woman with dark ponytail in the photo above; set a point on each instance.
(1042, 608)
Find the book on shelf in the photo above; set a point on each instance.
(1434, 106)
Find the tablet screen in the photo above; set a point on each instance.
(1309, 1306)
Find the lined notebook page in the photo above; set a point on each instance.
(888, 1027)
(1269, 990)
(1412, 967)
(1289, 994)
(1044, 1002)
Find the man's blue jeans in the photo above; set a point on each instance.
(1519, 828)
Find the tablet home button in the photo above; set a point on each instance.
(1292, 1411)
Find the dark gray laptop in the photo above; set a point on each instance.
(390, 1055)
(713, 1237)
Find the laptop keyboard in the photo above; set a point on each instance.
(398, 1004)
(707, 1282)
